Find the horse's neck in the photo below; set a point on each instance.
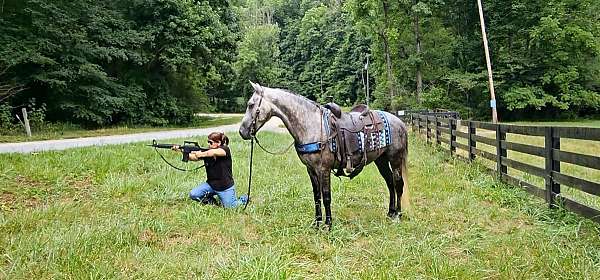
(301, 118)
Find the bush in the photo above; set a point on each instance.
(35, 115)
(7, 125)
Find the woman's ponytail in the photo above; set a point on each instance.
(224, 139)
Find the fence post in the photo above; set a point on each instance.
(452, 126)
(471, 139)
(552, 188)
(437, 131)
(427, 129)
(417, 122)
(26, 122)
(500, 136)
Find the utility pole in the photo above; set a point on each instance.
(489, 65)
(367, 69)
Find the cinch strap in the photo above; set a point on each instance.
(308, 148)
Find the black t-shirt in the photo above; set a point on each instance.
(218, 171)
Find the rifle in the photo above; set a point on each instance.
(186, 148)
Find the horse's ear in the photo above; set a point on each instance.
(257, 88)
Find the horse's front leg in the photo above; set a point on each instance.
(314, 180)
(325, 181)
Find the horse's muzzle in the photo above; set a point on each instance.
(245, 133)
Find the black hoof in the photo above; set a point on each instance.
(328, 224)
(317, 224)
(393, 214)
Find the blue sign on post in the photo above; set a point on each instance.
(493, 103)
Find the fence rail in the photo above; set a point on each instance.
(440, 129)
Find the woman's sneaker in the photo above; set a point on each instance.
(209, 200)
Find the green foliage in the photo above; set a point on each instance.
(258, 55)
(157, 62)
(6, 119)
(545, 54)
(103, 62)
(323, 55)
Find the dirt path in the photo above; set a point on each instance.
(48, 145)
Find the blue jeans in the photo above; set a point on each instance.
(227, 197)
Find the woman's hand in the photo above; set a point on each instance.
(195, 155)
(176, 148)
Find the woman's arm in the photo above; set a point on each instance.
(197, 155)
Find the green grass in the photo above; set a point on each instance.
(584, 123)
(66, 131)
(571, 145)
(119, 212)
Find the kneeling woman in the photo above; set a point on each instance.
(219, 177)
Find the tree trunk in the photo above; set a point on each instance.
(386, 49)
(418, 66)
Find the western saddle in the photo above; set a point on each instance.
(353, 135)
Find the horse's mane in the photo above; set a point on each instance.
(297, 96)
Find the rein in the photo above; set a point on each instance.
(273, 153)
(178, 168)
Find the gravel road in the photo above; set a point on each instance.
(49, 145)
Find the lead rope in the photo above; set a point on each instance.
(250, 176)
(253, 136)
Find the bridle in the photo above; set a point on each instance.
(253, 128)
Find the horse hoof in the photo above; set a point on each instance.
(316, 224)
(393, 214)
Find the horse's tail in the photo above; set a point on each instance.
(405, 199)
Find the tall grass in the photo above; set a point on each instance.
(119, 212)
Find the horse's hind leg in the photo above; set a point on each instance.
(400, 181)
(383, 165)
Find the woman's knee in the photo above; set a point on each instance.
(200, 191)
(228, 198)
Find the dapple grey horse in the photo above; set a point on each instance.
(303, 119)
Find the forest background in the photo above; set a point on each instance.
(157, 62)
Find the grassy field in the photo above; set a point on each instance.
(571, 145)
(69, 131)
(584, 123)
(119, 212)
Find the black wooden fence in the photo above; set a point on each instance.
(435, 128)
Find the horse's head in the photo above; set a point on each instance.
(258, 112)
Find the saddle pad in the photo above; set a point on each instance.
(356, 142)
